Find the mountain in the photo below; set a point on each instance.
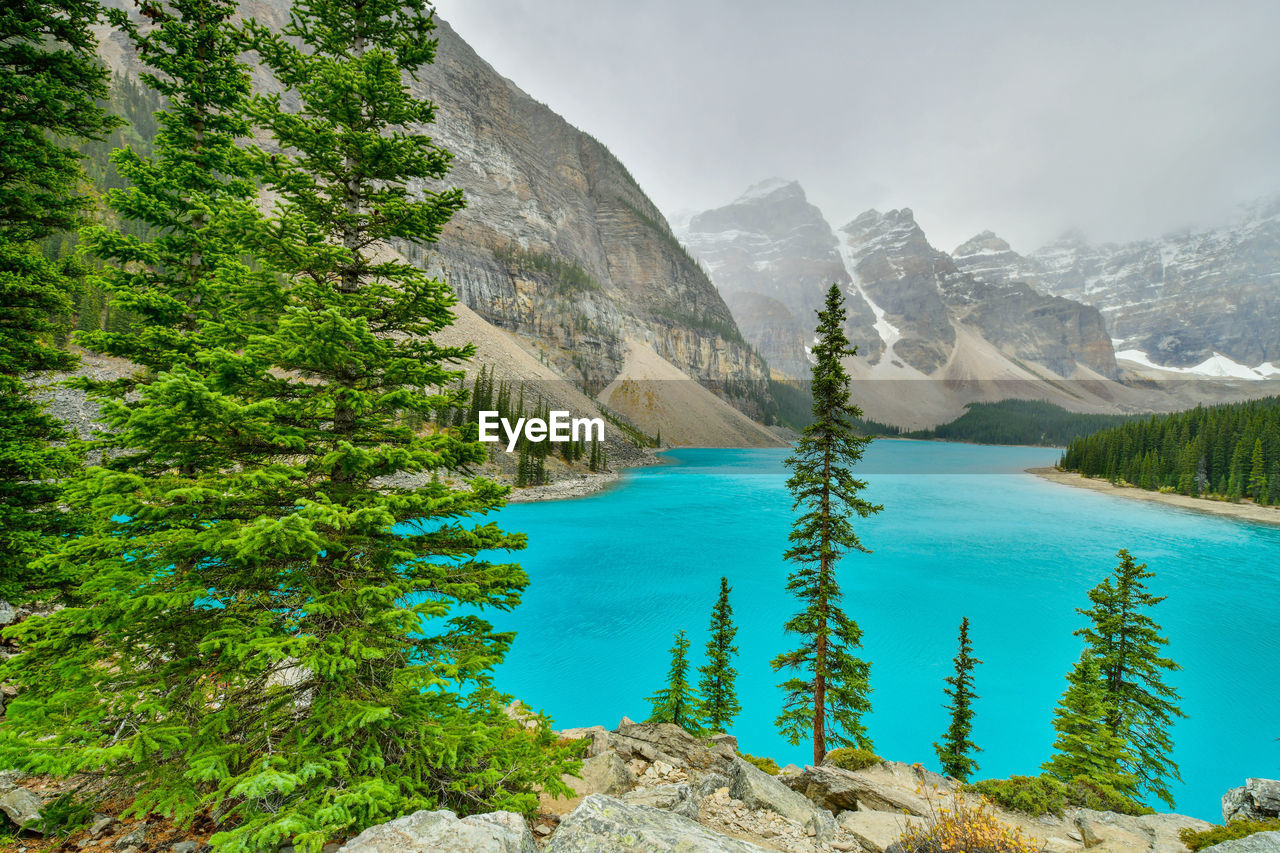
(914, 311)
(932, 302)
(1207, 299)
(559, 249)
(772, 255)
(558, 243)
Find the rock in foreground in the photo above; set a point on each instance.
(1260, 842)
(443, 832)
(1258, 799)
(605, 825)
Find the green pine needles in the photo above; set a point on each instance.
(50, 92)
(272, 633)
(173, 279)
(1085, 746)
(1114, 720)
(828, 696)
(1126, 641)
(677, 702)
(955, 753)
(713, 704)
(717, 676)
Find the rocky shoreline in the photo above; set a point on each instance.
(1243, 511)
(658, 789)
(575, 484)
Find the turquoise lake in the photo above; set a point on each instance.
(964, 532)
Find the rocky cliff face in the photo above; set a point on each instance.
(772, 255)
(995, 284)
(926, 296)
(1183, 297)
(557, 244)
(896, 268)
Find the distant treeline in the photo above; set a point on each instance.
(1230, 451)
(1009, 422)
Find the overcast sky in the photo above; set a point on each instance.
(1124, 119)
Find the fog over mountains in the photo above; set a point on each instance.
(1195, 304)
(571, 273)
(1126, 120)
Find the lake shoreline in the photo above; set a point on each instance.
(1240, 511)
(582, 485)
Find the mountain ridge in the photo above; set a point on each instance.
(558, 246)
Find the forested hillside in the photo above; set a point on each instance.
(1020, 422)
(1230, 451)
(1030, 422)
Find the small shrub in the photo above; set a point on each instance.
(768, 765)
(1088, 794)
(967, 827)
(1041, 795)
(1033, 795)
(852, 758)
(1232, 831)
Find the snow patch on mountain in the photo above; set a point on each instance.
(1218, 366)
(889, 333)
(764, 189)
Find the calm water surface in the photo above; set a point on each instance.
(963, 533)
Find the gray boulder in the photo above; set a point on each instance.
(22, 807)
(1258, 799)
(1259, 842)
(598, 735)
(707, 784)
(888, 787)
(442, 832)
(606, 825)
(605, 773)
(672, 744)
(677, 799)
(842, 790)
(1161, 832)
(759, 790)
(876, 832)
(7, 613)
(728, 741)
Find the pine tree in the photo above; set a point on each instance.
(1257, 471)
(50, 89)
(173, 279)
(1126, 643)
(1085, 745)
(719, 700)
(828, 697)
(677, 703)
(272, 632)
(954, 753)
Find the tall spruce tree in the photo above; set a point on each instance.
(272, 633)
(955, 751)
(1126, 643)
(175, 277)
(828, 697)
(1085, 745)
(677, 702)
(50, 93)
(717, 676)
